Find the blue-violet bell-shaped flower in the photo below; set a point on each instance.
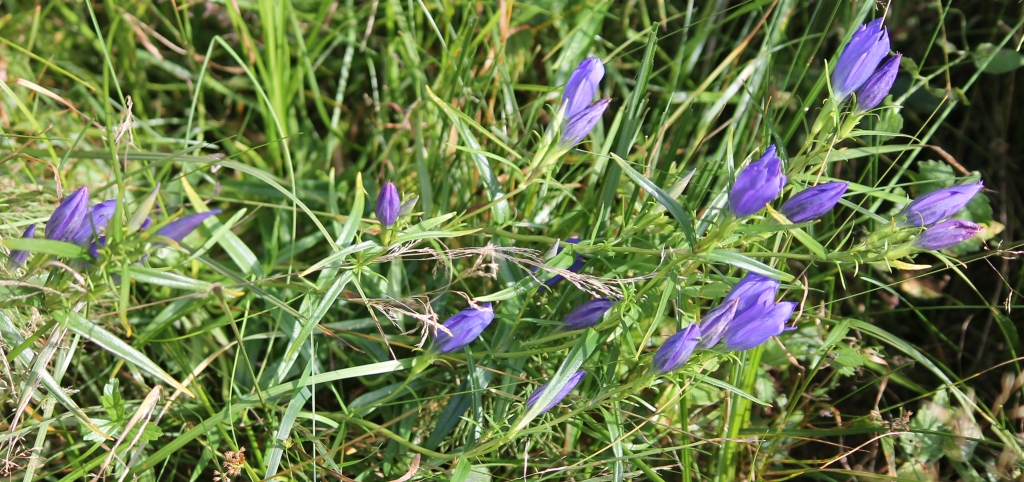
(19, 257)
(465, 327)
(677, 349)
(95, 222)
(947, 234)
(388, 205)
(178, 229)
(713, 326)
(757, 185)
(574, 380)
(938, 205)
(583, 84)
(580, 125)
(68, 217)
(866, 48)
(757, 325)
(878, 85)
(813, 202)
(587, 314)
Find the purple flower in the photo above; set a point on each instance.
(947, 234)
(877, 86)
(583, 83)
(465, 326)
(577, 264)
(868, 46)
(388, 205)
(587, 314)
(757, 185)
(95, 222)
(677, 349)
(580, 125)
(713, 326)
(67, 218)
(745, 314)
(757, 325)
(813, 202)
(177, 230)
(938, 205)
(19, 257)
(574, 380)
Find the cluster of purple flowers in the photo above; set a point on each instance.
(751, 313)
(73, 221)
(857, 70)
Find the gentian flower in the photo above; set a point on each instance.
(813, 202)
(868, 46)
(580, 115)
(757, 325)
(748, 316)
(67, 218)
(577, 264)
(583, 83)
(588, 314)
(677, 349)
(178, 229)
(465, 326)
(757, 185)
(713, 326)
(947, 234)
(574, 380)
(19, 257)
(938, 205)
(581, 124)
(877, 86)
(95, 222)
(388, 205)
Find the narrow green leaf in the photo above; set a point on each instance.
(673, 207)
(738, 260)
(46, 246)
(117, 347)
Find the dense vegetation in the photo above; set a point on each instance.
(257, 309)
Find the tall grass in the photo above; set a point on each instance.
(289, 337)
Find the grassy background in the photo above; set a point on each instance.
(288, 115)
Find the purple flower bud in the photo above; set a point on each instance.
(388, 205)
(95, 222)
(574, 380)
(813, 202)
(757, 325)
(753, 290)
(868, 46)
(465, 326)
(580, 125)
(757, 185)
(19, 257)
(67, 218)
(938, 205)
(177, 230)
(713, 326)
(947, 234)
(877, 86)
(577, 264)
(677, 349)
(583, 83)
(587, 314)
